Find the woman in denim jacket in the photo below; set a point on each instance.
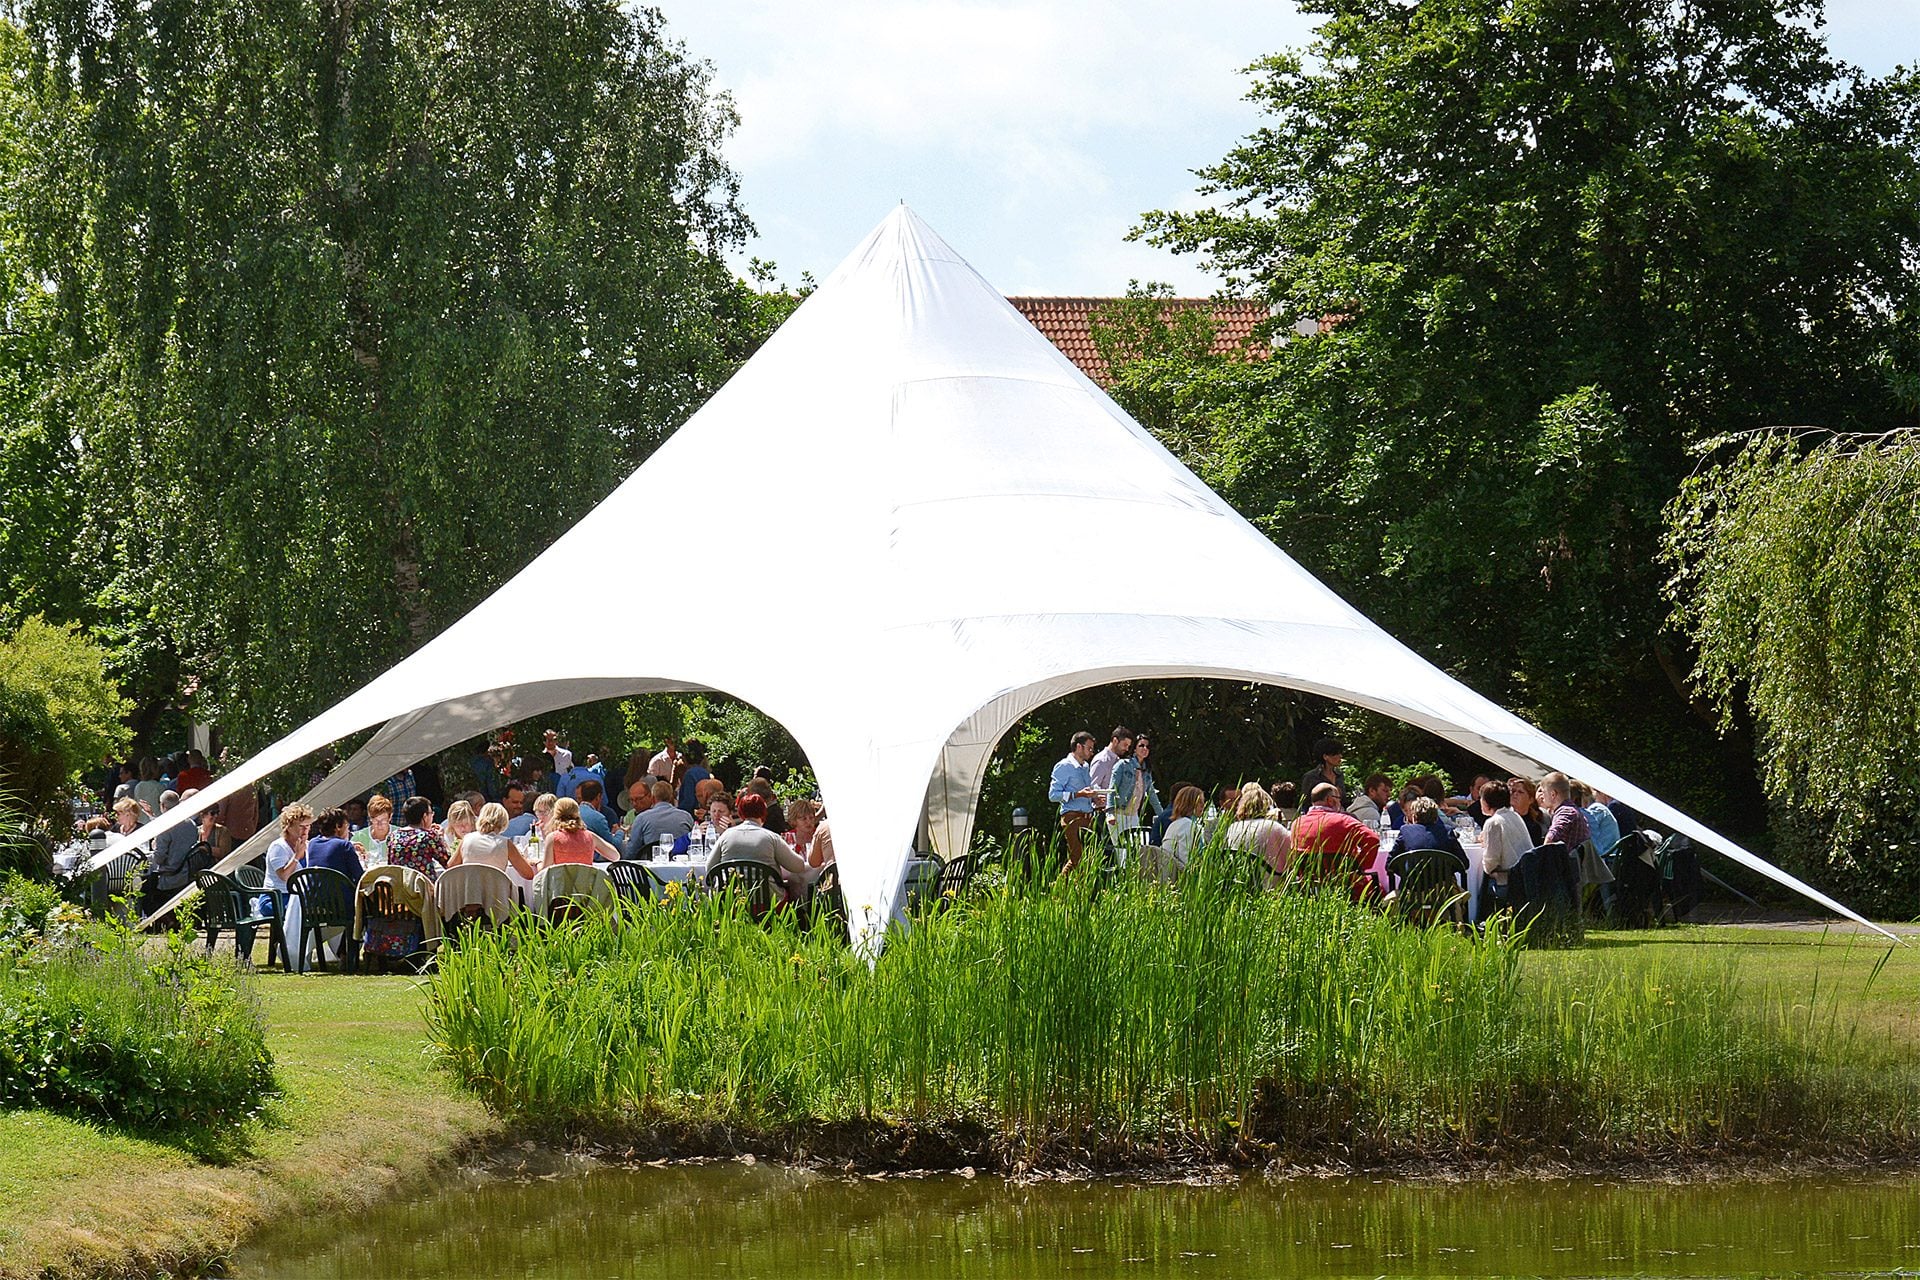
(1133, 790)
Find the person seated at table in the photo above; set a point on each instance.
(1565, 823)
(750, 841)
(1469, 803)
(1425, 829)
(1503, 835)
(776, 813)
(1255, 830)
(373, 837)
(1398, 806)
(458, 826)
(569, 839)
(534, 821)
(1286, 802)
(1526, 804)
(1375, 795)
(655, 815)
(715, 817)
(1183, 835)
(172, 856)
(415, 843)
(1601, 824)
(287, 854)
(329, 847)
(490, 846)
(803, 823)
(1331, 846)
(590, 813)
(128, 816)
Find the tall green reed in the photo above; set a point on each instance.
(1132, 1012)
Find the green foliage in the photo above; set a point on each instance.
(94, 1025)
(60, 714)
(1204, 731)
(1560, 243)
(1135, 1016)
(1796, 575)
(733, 731)
(332, 317)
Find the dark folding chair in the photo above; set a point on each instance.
(955, 878)
(326, 902)
(1543, 890)
(633, 880)
(1634, 861)
(224, 904)
(1426, 885)
(826, 905)
(754, 883)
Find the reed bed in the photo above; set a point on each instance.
(1145, 1021)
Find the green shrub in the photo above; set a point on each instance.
(1142, 1015)
(169, 1042)
(60, 713)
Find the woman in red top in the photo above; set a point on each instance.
(568, 839)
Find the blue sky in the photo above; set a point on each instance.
(1030, 133)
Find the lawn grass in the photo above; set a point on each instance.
(362, 1111)
(1874, 985)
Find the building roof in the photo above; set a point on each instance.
(1068, 324)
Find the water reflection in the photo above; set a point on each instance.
(764, 1221)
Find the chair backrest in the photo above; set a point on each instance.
(562, 890)
(1426, 880)
(377, 900)
(248, 876)
(473, 889)
(826, 905)
(326, 896)
(1545, 885)
(633, 880)
(755, 882)
(220, 903)
(955, 877)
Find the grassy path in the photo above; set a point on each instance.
(362, 1113)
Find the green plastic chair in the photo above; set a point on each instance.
(326, 902)
(224, 904)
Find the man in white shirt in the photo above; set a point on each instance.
(661, 766)
(1118, 748)
(562, 758)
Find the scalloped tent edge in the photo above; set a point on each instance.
(944, 484)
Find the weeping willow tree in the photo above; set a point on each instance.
(1796, 573)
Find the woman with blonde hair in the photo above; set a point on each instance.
(1255, 830)
(458, 825)
(569, 840)
(489, 846)
(1183, 834)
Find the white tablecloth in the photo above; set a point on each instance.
(681, 871)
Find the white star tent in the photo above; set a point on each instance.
(926, 481)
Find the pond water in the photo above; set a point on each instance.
(764, 1220)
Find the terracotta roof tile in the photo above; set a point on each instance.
(1068, 324)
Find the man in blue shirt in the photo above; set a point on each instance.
(568, 782)
(1072, 789)
(590, 814)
